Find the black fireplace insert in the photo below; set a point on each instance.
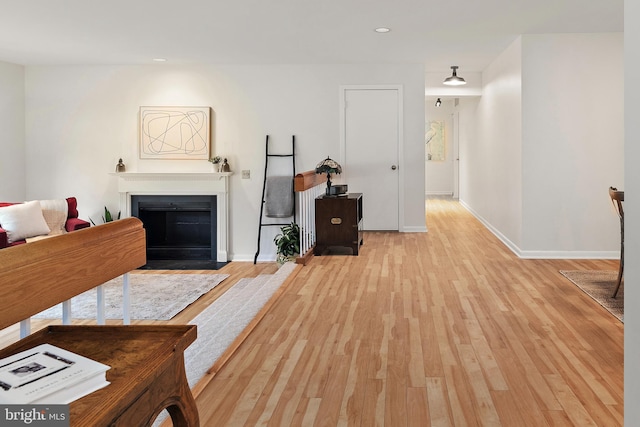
(178, 227)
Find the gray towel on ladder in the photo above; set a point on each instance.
(279, 197)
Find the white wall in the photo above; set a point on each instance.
(572, 142)
(439, 174)
(492, 164)
(81, 119)
(12, 160)
(549, 143)
(632, 210)
(467, 114)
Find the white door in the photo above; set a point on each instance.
(371, 152)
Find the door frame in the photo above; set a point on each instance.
(343, 143)
(456, 153)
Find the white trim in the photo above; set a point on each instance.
(414, 229)
(439, 193)
(343, 145)
(456, 154)
(25, 327)
(214, 184)
(126, 300)
(100, 317)
(541, 254)
(66, 312)
(569, 255)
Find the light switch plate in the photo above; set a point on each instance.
(246, 174)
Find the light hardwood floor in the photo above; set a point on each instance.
(422, 329)
(443, 328)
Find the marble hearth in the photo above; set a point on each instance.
(209, 184)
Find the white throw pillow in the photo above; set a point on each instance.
(23, 220)
(55, 215)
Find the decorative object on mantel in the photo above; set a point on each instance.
(328, 166)
(175, 133)
(225, 166)
(120, 166)
(216, 163)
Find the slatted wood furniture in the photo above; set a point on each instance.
(617, 197)
(147, 362)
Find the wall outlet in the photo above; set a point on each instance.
(246, 174)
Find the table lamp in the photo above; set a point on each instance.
(328, 166)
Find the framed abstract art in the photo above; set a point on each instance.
(175, 133)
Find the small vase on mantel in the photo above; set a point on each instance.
(215, 161)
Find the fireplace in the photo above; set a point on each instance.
(206, 186)
(178, 227)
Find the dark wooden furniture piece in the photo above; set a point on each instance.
(617, 197)
(147, 363)
(338, 222)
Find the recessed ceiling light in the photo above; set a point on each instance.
(160, 59)
(382, 30)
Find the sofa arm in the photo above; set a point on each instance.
(4, 240)
(74, 224)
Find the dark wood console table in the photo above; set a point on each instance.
(338, 222)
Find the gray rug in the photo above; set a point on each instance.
(153, 296)
(221, 322)
(599, 285)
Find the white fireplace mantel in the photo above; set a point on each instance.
(157, 183)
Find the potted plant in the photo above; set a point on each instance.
(107, 217)
(216, 163)
(287, 243)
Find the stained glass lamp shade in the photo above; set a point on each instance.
(328, 166)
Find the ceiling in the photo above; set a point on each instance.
(438, 33)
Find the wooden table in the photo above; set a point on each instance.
(147, 372)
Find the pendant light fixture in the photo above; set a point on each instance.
(454, 80)
(438, 102)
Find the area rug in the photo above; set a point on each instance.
(227, 317)
(599, 285)
(153, 296)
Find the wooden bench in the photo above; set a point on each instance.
(147, 372)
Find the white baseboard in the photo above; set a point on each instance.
(569, 255)
(541, 254)
(249, 258)
(414, 229)
(439, 193)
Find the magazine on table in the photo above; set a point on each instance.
(49, 374)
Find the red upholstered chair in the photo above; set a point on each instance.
(73, 222)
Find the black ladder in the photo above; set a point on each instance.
(264, 186)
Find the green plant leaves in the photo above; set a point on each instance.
(288, 241)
